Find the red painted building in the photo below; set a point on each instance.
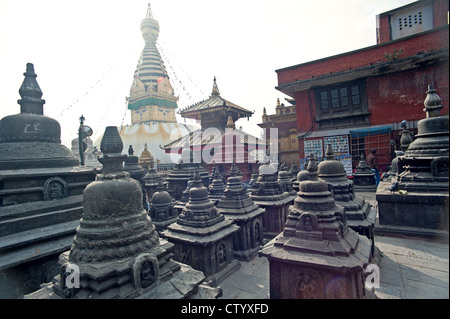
(356, 100)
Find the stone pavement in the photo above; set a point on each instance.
(410, 268)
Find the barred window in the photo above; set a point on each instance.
(340, 97)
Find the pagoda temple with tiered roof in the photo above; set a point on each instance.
(218, 137)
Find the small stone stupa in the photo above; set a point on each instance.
(146, 159)
(317, 256)
(132, 166)
(203, 238)
(294, 171)
(236, 205)
(268, 193)
(284, 178)
(363, 177)
(41, 187)
(117, 252)
(302, 175)
(179, 176)
(360, 215)
(217, 186)
(162, 211)
(423, 207)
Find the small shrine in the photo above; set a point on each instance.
(420, 205)
(162, 210)
(146, 160)
(203, 238)
(285, 179)
(217, 187)
(237, 206)
(117, 253)
(317, 256)
(363, 177)
(358, 212)
(179, 176)
(302, 175)
(41, 187)
(294, 171)
(151, 180)
(268, 193)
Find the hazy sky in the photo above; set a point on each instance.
(85, 52)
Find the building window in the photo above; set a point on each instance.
(341, 105)
(348, 96)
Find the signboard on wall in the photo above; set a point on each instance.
(339, 143)
(313, 146)
(346, 160)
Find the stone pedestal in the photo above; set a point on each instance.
(117, 253)
(237, 206)
(268, 194)
(41, 184)
(203, 238)
(317, 256)
(421, 204)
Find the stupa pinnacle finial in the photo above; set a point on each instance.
(149, 26)
(432, 103)
(234, 170)
(312, 168)
(329, 155)
(149, 12)
(31, 93)
(111, 147)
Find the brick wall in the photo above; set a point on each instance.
(427, 42)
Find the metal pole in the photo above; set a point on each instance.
(80, 140)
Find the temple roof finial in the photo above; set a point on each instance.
(215, 90)
(230, 123)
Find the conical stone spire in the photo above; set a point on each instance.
(31, 93)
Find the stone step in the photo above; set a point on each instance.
(17, 225)
(33, 208)
(28, 237)
(35, 251)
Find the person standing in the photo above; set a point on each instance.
(372, 161)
